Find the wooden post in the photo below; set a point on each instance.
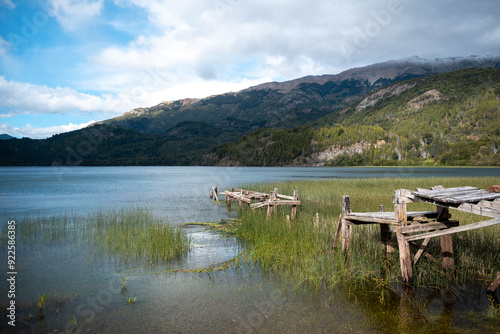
(269, 206)
(385, 235)
(446, 241)
(294, 207)
(346, 228)
(316, 223)
(404, 246)
(215, 193)
(288, 221)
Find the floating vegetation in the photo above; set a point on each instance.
(129, 234)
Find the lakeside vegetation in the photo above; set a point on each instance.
(304, 254)
(128, 234)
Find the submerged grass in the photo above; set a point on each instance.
(304, 251)
(127, 234)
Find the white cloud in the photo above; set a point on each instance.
(40, 133)
(9, 3)
(73, 15)
(25, 98)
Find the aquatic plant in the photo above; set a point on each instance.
(41, 302)
(128, 234)
(131, 300)
(124, 280)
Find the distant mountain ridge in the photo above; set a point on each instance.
(291, 103)
(390, 70)
(307, 121)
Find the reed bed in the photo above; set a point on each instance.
(129, 234)
(303, 250)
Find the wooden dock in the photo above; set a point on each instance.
(257, 200)
(412, 226)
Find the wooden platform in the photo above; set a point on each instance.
(258, 200)
(412, 226)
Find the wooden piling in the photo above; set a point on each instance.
(215, 193)
(446, 241)
(404, 246)
(346, 228)
(294, 207)
(386, 235)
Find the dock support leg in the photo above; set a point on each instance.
(386, 235)
(346, 228)
(446, 241)
(404, 246)
(294, 207)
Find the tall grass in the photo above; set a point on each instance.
(304, 252)
(130, 234)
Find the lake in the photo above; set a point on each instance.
(85, 289)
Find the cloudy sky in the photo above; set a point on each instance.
(67, 63)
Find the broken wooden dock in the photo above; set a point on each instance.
(412, 226)
(257, 200)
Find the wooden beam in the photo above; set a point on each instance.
(479, 210)
(452, 230)
(421, 249)
(416, 227)
(285, 197)
(273, 203)
(238, 197)
(370, 219)
(494, 285)
(490, 204)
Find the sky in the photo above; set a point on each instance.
(65, 64)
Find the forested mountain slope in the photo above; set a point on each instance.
(444, 119)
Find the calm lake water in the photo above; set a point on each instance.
(87, 288)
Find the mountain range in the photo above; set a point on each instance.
(196, 131)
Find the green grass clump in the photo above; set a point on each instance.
(304, 251)
(130, 234)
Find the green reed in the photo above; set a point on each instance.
(128, 234)
(303, 250)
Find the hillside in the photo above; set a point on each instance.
(291, 103)
(393, 113)
(444, 119)
(104, 145)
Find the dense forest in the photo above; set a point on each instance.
(447, 119)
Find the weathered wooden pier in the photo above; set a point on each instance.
(256, 199)
(423, 225)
